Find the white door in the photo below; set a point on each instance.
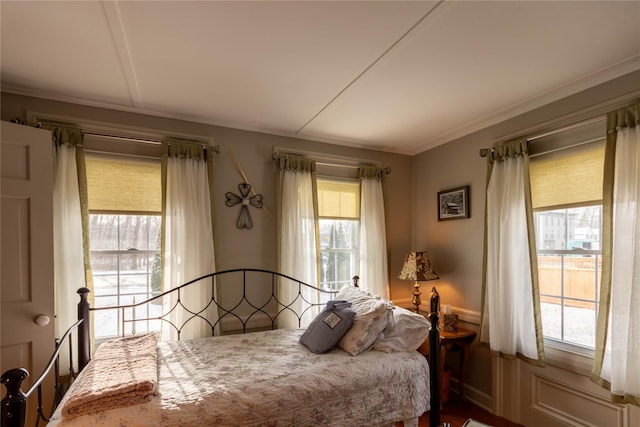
(26, 254)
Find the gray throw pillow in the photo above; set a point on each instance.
(324, 332)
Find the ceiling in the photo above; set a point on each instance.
(394, 76)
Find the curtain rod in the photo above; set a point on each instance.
(277, 156)
(387, 170)
(485, 151)
(146, 140)
(153, 141)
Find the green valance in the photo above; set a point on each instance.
(188, 150)
(296, 164)
(508, 149)
(624, 117)
(372, 172)
(65, 135)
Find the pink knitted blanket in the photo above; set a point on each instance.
(122, 372)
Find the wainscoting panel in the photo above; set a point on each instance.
(555, 397)
(572, 405)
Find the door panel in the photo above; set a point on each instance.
(26, 253)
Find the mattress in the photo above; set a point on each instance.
(270, 379)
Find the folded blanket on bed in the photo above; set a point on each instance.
(123, 372)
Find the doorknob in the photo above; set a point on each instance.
(42, 320)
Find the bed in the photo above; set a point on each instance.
(258, 375)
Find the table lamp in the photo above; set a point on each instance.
(417, 267)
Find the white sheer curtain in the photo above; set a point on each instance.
(68, 254)
(72, 267)
(297, 238)
(374, 276)
(188, 235)
(511, 322)
(618, 352)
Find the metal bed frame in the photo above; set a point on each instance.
(14, 405)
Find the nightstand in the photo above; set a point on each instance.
(458, 340)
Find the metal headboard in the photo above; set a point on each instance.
(242, 308)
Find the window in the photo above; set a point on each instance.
(566, 192)
(124, 195)
(125, 261)
(339, 223)
(569, 268)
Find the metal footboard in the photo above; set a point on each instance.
(14, 404)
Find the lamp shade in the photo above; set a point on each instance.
(417, 267)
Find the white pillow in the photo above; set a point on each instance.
(373, 317)
(410, 332)
(365, 330)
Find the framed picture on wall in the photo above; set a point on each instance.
(453, 204)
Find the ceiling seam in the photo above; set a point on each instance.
(114, 21)
(359, 76)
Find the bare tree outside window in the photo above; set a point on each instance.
(339, 252)
(125, 261)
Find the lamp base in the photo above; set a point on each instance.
(416, 297)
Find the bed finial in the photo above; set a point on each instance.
(14, 404)
(435, 301)
(434, 357)
(355, 281)
(84, 344)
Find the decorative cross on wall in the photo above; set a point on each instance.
(244, 219)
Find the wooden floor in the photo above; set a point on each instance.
(456, 412)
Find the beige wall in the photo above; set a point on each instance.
(256, 247)
(456, 247)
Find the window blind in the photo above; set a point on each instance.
(123, 184)
(570, 176)
(338, 199)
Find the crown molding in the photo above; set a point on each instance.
(586, 82)
(116, 129)
(578, 85)
(51, 96)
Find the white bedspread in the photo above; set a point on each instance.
(270, 379)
